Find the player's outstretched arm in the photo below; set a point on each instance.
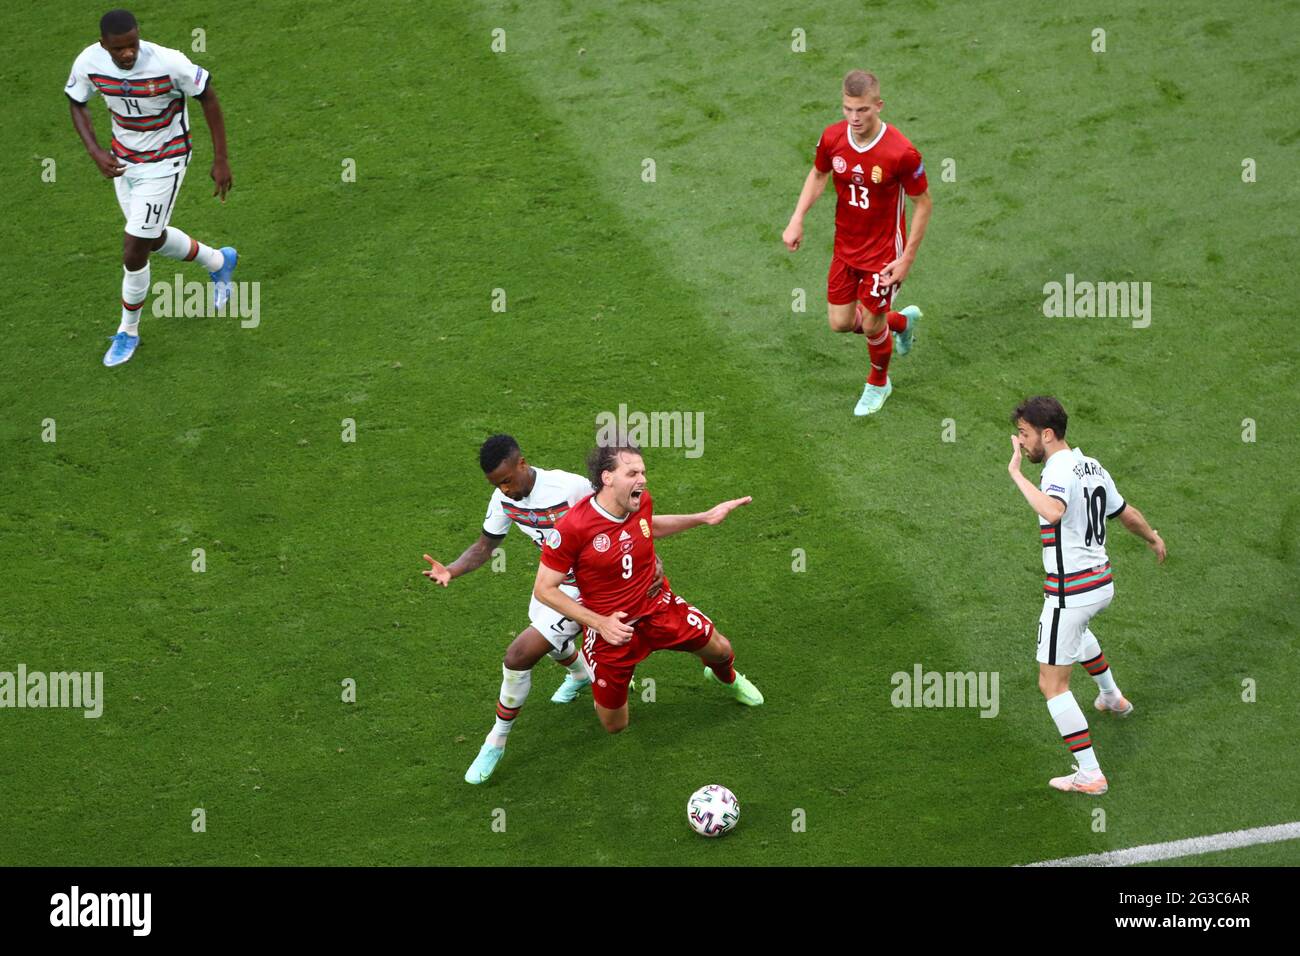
(1136, 522)
(897, 270)
(85, 126)
(664, 525)
(813, 187)
(221, 178)
(546, 588)
(1049, 509)
(474, 557)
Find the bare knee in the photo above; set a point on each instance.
(1052, 685)
(842, 317)
(526, 650)
(614, 721)
(718, 650)
(873, 325)
(517, 660)
(135, 252)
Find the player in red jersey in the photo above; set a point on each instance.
(607, 539)
(873, 165)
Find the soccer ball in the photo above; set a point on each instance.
(712, 810)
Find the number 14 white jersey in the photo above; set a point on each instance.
(151, 129)
(1074, 549)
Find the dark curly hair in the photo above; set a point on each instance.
(1042, 411)
(495, 450)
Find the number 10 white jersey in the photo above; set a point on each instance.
(1077, 570)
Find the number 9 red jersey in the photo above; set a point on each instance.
(613, 560)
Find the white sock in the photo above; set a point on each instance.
(514, 691)
(1074, 730)
(135, 287)
(1097, 665)
(575, 668)
(177, 245)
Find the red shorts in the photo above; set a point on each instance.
(846, 284)
(672, 626)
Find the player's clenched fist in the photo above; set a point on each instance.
(108, 163)
(793, 235)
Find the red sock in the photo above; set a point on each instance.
(897, 322)
(880, 349)
(724, 671)
(858, 319)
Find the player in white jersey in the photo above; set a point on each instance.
(146, 88)
(533, 500)
(1074, 500)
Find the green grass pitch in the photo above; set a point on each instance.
(522, 171)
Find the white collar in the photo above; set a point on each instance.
(601, 511)
(876, 139)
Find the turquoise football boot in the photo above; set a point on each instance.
(873, 398)
(483, 765)
(568, 691)
(903, 340)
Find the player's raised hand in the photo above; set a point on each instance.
(793, 235)
(614, 630)
(1014, 466)
(438, 572)
(221, 178)
(719, 511)
(108, 164)
(1158, 546)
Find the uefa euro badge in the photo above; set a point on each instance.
(645, 527)
(839, 164)
(876, 174)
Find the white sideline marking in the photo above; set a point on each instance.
(1176, 848)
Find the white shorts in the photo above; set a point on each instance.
(147, 202)
(554, 626)
(1063, 631)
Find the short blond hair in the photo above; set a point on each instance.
(861, 83)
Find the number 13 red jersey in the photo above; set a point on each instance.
(612, 560)
(870, 178)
